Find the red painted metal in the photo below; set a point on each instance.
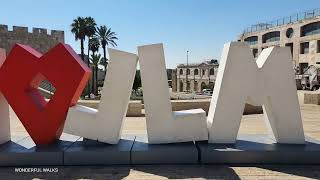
(20, 76)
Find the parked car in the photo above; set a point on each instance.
(207, 92)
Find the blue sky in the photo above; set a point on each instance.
(200, 26)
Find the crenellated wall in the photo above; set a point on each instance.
(39, 38)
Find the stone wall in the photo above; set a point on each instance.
(134, 107)
(174, 80)
(312, 97)
(38, 39)
(178, 105)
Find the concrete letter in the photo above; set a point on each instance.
(163, 125)
(4, 110)
(269, 82)
(105, 124)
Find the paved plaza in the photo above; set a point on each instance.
(251, 124)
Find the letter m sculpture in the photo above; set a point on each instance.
(267, 81)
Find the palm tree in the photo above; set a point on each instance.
(78, 28)
(82, 27)
(90, 26)
(95, 60)
(90, 31)
(94, 44)
(106, 37)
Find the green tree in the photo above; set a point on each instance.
(94, 44)
(137, 81)
(78, 28)
(90, 31)
(95, 60)
(82, 28)
(106, 37)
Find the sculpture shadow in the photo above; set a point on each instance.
(189, 171)
(292, 159)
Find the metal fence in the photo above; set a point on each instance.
(283, 21)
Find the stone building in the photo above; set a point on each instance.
(194, 77)
(299, 32)
(38, 39)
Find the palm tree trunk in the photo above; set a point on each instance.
(93, 84)
(88, 63)
(96, 75)
(82, 57)
(82, 50)
(105, 57)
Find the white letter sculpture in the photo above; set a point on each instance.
(163, 125)
(105, 124)
(4, 110)
(269, 82)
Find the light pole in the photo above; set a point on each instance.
(187, 58)
(187, 87)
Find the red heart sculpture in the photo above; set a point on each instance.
(20, 76)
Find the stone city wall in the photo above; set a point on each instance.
(40, 39)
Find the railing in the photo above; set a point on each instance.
(283, 21)
(47, 86)
(195, 64)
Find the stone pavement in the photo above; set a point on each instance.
(251, 124)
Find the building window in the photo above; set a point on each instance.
(255, 53)
(203, 72)
(318, 46)
(203, 86)
(304, 48)
(289, 33)
(181, 86)
(188, 71)
(271, 37)
(196, 72)
(181, 71)
(212, 71)
(310, 29)
(251, 40)
(188, 85)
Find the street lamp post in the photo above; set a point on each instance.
(187, 88)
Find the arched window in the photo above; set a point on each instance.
(181, 71)
(188, 71)
(310, 29)
(251, 40)
(181, 86)
(212, 71)
(271, 37)
(203, 72)
(188, 85)
(196, 72)
(203, 85)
